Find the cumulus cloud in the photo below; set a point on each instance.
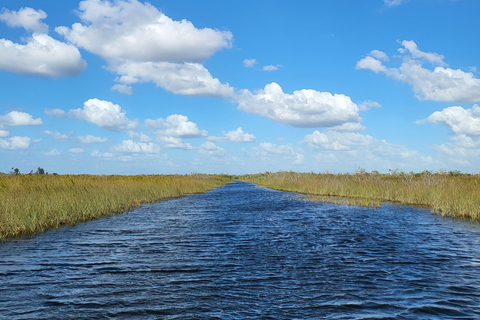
(286, 152)
(141, 44)
(123, 88)
(170, 142)
(440, 84)
(57, 113)
(211, 149)
(272, 67)
(176, 125)
(4, 133)
(348, 141)
(56, 135)
(91, 139)
(393, 3)
(249, 63)
(459, 120)
(27, 18)
(189, 79)
(15, 143)
(76, 150)
(304, 108)
(17, 118)
(464, 124)
(41, 55)
(234, 136)
(104, 114)
(130, 146)
(52, 152)
(139, 136)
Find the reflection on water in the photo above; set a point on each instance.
(242, 252)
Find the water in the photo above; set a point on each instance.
(243, 252)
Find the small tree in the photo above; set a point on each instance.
(15, 171)
(40, 171)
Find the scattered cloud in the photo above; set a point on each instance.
(139, 136)
(440, 84)
(286, 152)
(130, 146)
(123, 88)
(176, 125)
(393, 3)
(56, 135)
(27, 18)
(104, 114)
(249, 63)
(189, 79)
(170, 142)
(304, 108)
(211, 149)
(141, 44)
(77, 150)
(234, 136)
(91, 139)
(17, 118)
(272, 67)
(42, 55)
(52, 152)
(4, 133)
(57, 113)
(15, 143)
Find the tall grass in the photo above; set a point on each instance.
(33, 203)
(449, 194)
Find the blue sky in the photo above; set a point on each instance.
(132, 87)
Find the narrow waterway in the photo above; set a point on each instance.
(244, 252)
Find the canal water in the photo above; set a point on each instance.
(244, 252)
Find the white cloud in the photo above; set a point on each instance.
(17, 118)
(176, 125)
(91, 139)
(234, 136)
(42, 55)
(15, 143)
(104, 114)
(304, 108)
(249, 63)
(76, 150)
(366, 144)
(461, 121)
(123, 88)
(368, 104)
(272, 152)
(130, 146)
(4, 133)
(439, 84)
(272, 67)
(131, 30)
(211, 149)
(141, 44)
(393, 3)
(190, 79)
(139, 136)
(349, 127)
(56, 135)
(57, 113)
(52, 152)
(170, 142)
(27, 18)
(380, 55)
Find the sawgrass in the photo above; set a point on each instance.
(446, 193)
(34, 203)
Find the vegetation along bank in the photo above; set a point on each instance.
(446, 193)
(34, 203)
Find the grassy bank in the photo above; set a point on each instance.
(449, 194)
(33, 203)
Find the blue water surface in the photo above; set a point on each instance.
(244, 252)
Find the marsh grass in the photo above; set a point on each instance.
(449, 194)
(34, 203)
